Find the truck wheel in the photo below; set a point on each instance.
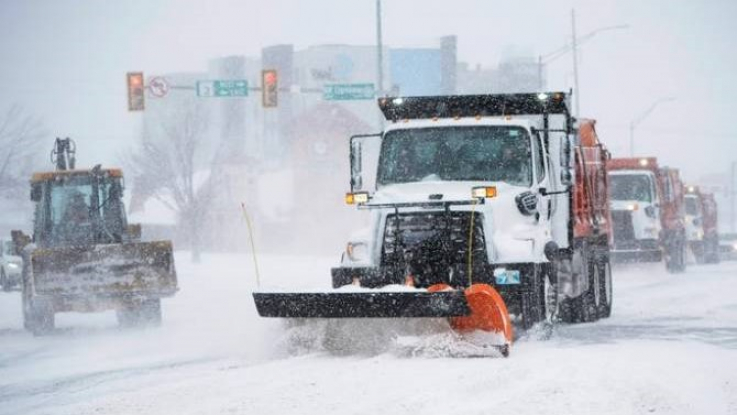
(591, 298)
(549, 296)
(581, 267)
(698, 251)
(4, 280)
(530, 301)
(605, 288)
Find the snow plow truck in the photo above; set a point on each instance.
(701, 225)
(648, 212)
(486, 210)
(83, 255)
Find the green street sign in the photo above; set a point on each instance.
(222, 88)
(348, 92)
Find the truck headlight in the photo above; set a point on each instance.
(633, 207)
(527, 203)
(357, 251)
(13, 266)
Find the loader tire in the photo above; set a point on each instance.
(140, 314)
(39, 318)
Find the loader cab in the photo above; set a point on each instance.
(78, 208)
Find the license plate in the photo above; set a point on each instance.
(504, 276)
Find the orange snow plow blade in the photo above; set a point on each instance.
(488, 311)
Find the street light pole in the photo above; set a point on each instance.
(732, 194)
(574, 45)
(379, 52)
(636, 121)
(575, 63)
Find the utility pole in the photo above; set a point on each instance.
(636, 121)
(379, 52)
(732, 194)
(575, 64)
(379, 60)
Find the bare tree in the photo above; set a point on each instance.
(165, 167)
(20, 137)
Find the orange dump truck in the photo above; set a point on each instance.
(701, 225)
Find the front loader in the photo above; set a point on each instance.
(83, 255)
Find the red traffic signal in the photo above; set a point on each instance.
(136, 96)
(269, 88)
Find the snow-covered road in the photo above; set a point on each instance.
(670, 347)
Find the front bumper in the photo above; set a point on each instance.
(644, 250)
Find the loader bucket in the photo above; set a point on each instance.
(362, 304)
(141, 268)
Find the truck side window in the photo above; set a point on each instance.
(539, 158)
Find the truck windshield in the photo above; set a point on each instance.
(692, 206)
(631, 187)
(483, 153)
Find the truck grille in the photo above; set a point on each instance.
(442, 235)
(623, 229)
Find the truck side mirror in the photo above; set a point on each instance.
(566, 178)
(356, 180)
(36, 192)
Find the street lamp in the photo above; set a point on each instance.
(576, 42)
(640, 118)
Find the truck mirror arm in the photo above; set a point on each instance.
(544, 192)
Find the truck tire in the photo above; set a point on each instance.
(4, 283)
(531, 309)
(549, 295)
(605, 288)
(675, 260)
(711, 250)
(698, 251)
(583, 308)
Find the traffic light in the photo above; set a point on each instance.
(136, 97)
(269, 88)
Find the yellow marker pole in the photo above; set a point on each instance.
(253, 245)
(470, 244)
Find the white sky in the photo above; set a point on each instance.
(65, 60)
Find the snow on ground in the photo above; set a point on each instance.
(670, 347)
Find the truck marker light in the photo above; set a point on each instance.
(483, 192)
(643, 162)
(478, 117)
(356, 198)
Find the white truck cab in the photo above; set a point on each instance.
(635, 209)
